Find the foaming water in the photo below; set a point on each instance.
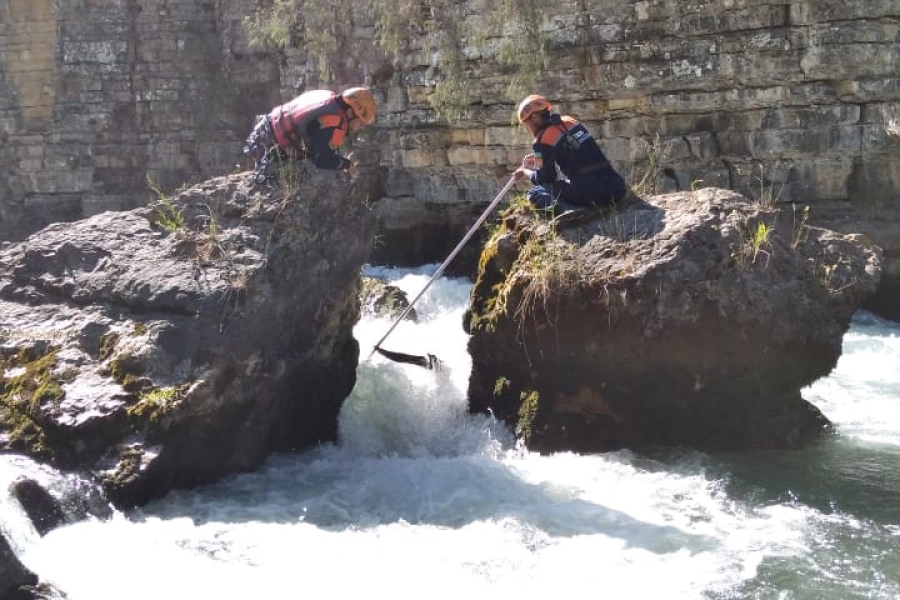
(861, 394)
(408, 410)
(418, 498)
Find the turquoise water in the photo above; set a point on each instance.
(420, 499)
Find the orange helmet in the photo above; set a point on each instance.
(362, 102)
(532, 104)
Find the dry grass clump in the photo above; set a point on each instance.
(546, 266)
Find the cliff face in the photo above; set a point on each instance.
(799, 101)
(98, 97)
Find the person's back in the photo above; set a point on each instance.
(291, 120)
(313, 125)
(564, 142)
(574, 147)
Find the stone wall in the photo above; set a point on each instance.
(100, 100)
(792, 101)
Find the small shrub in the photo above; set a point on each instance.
(156, 403)
(643, 173)
(500, 386)
(755, 240)
(167, 216)
(801, 229)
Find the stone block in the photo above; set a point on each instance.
(701, 146)
(633, 103)
(876, 182)
(29, 165)
(733, 143)
(810, 117)
(773, 143)
(871, 90)
(674, 149)
(474, 136)
(502, 136)
(681, 124)
(53, 181)
(849, 61)
(438, 187)
(399, 213)
(419, 94)
(398, 182)
(811, 12)
(758, 70)
(462, 155)
(416, 158)
(587, 108)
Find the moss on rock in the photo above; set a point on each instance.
(155, 403)
(528, 409)
(107, 345)
(28, 382)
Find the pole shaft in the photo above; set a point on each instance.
(447, 261)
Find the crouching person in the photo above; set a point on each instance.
(588, 177)
(311, 126)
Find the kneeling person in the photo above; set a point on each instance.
(562, 141)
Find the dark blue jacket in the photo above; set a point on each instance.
(565, 142)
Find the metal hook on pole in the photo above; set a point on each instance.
(429, 360)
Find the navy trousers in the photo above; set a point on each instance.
(602, 188)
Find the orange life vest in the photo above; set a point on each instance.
(291, 120)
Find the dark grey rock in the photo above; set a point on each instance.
(691, 319)
(13, 574)
(41, 507)
(167, 346)
(380, 299)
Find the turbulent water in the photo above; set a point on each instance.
(419, 499)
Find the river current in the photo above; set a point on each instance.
(420, 499)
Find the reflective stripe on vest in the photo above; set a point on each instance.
(551, 133)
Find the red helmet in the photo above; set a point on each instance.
(532, 104)
(362, 102)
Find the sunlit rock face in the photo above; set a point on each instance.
(167, 346)
(794, 100)
(691, 319)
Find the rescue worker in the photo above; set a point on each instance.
(313, 125)
(588, 177)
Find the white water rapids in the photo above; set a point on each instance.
(420, 499)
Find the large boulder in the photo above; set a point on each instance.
(689, 319)
(173, 344)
